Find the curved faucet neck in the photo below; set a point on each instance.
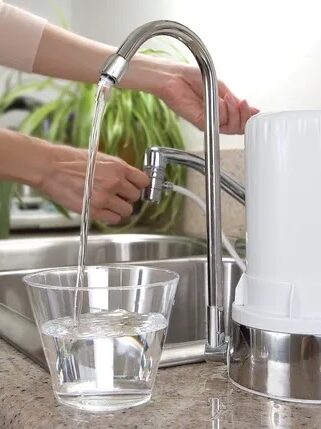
(115, 68)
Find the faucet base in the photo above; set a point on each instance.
(276, 365)
(216, 354)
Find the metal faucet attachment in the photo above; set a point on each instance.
(115, 68)
(156, 160)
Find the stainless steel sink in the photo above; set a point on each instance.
(187, 330)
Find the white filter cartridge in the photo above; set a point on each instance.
(281, 289)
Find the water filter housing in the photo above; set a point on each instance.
(281, 289)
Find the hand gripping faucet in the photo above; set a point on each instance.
(157, 158)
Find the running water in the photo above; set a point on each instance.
(103, 89)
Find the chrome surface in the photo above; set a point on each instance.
(233, 188)
(212, 155)
(277, 365)
(187, 329)
(217, 354)
(183, 353)
(55, 251)
(115, 68)
(156, 159)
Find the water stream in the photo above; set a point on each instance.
(103, 90)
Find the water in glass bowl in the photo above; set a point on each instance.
(107, 361)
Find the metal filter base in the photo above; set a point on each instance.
(277, 365)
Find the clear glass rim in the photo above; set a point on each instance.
(27, 279)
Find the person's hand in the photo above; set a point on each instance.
(117, 185)
(183, 93)
(234, 113)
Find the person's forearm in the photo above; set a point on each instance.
(22, 158)
(69, 56)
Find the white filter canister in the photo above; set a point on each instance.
(281, 289)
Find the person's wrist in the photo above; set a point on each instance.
(27, 158)
(39, 163)
(149, 74)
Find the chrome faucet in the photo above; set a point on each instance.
(157, 158)
(155, 162)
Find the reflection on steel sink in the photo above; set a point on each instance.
(186, 333)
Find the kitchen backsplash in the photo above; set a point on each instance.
(233, 213)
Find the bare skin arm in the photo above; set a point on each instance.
(66, 55)
(59, 172)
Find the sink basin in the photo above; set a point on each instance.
(35, 253)
(187, 331)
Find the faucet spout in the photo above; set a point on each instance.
(115, 68)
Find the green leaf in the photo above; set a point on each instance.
(58, 126)
(5, 205)
(21, 90)
(155, 52)
(35, 119)
(83, 115)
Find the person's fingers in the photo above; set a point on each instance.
(129, 192)
(234, 120)
(137, 178)
(254, 111)
(245, 113)
(112, 202)
(119, 206)
(105, 215)
(121, 178)
(223, 113)
(191, 75)
(194, 111)
(223, 90)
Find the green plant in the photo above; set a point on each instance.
(5, 199)
(133, 121)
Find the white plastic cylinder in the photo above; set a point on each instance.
(281, 289)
